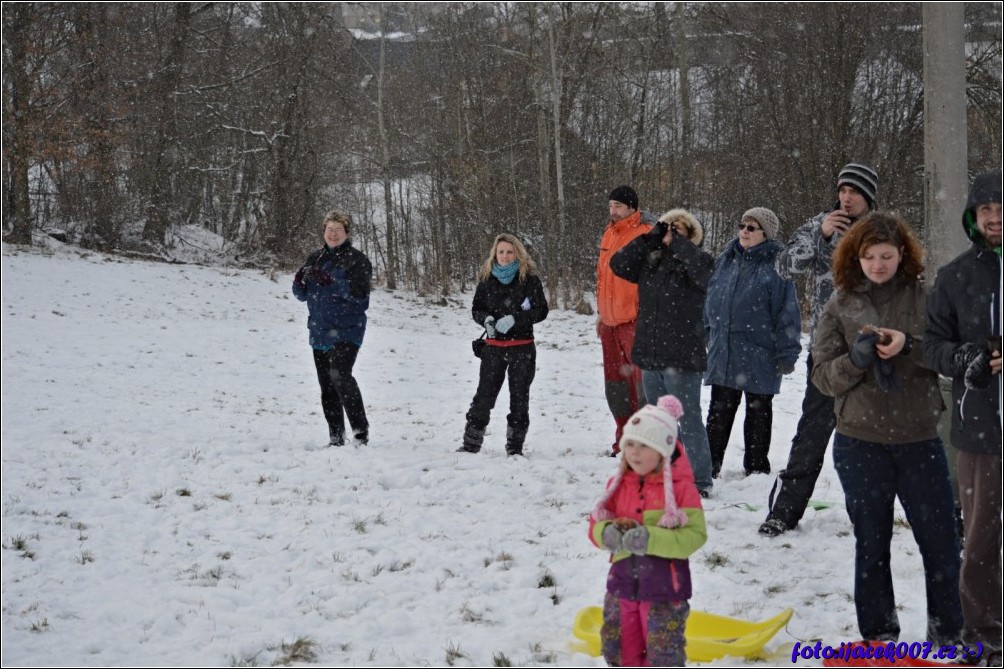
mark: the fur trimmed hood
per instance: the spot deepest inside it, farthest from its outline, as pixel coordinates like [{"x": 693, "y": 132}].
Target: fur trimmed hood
[{"x": 688, "y": 220}]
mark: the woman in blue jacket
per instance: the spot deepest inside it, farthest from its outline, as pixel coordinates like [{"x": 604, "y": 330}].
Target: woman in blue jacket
[
  {"x": 753, "y": 327},
  {"x": 335, "y": 284}
]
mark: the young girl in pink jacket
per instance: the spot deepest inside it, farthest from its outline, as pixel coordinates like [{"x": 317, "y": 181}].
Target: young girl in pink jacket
[{"x": 650, "y": 519}]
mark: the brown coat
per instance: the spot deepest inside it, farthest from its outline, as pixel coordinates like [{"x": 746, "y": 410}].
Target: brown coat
[{"x": 864, "y": 411}]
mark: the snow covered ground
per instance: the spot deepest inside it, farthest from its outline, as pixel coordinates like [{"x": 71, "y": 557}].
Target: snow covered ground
[{"x": 166, "y": 500}]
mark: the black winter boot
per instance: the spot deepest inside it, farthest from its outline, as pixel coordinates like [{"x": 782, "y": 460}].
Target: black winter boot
[
  {"x": 336, "y": 437},
  {"x": 514, "y": 441},
  {"x": 473, "y": 438}
]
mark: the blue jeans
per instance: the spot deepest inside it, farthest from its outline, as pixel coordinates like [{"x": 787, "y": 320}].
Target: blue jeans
[
  {"x": 873, "y": 476},
  {"x": 686, "y": 385}
]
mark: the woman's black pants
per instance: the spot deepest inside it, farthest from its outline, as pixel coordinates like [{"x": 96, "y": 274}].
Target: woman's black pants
[
  {"x": 339, "y": 390},
  {"x": 520, "y": 362},
  {"x": 756, "y": 428}
]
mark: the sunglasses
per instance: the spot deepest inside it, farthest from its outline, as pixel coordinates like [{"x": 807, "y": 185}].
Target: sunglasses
[{"x": 748, "y": 228}]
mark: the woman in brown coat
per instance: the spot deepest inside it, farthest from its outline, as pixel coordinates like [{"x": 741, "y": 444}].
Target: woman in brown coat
[{"x": 867, "y": 355}]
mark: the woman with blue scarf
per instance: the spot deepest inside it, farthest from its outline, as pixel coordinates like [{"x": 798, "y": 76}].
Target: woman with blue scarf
[{"x": 509, "y": 299}]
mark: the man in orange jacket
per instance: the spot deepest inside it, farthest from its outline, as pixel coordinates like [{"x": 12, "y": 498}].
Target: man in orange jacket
[{"x": 617, "y": 310}]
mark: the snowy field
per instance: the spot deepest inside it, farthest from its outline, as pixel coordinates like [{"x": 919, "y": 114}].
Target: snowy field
[{"x": 167, "y": 499}]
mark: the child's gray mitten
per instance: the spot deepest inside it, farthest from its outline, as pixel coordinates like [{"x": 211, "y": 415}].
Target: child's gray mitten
[
  {"x": 612, "y": 538},
  {"x": 636, "y": 540}
]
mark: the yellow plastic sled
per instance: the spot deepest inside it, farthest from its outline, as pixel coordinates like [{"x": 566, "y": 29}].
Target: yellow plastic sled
[{"x": 709, "y": 636}]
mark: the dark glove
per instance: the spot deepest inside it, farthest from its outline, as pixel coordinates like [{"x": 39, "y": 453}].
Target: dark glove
[
  {"x": 636, "y": 540},
  {"x": 978, "y": 372},
  {"x": 505, "y": 324},
  {"x": 784, "y": 367},
  {"x": 886, "y": 376},
  {"x": 863, "y": 352},
  {"x": 298, "y": 279},
  {"x": 322, "y": 278},
  {"x": 964, "y": 356},
  {"x": 654, "y": 236},
  {"x": 613, "y": 538}
]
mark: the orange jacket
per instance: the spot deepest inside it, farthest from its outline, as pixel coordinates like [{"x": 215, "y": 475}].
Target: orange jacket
[{"x": 617, "y": 299}]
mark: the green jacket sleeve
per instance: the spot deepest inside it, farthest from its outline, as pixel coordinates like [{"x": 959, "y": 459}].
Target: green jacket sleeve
[{"x": 678, "y": 542}]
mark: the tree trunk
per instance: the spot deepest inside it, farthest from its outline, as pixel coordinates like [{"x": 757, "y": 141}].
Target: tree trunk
[
  {"x": 159, "y": 204},
  {"x": 685, "y": 177},
  {"x": 553, "y": 245},
  {"x": 556, "y": 112},
  {"x": 16, "y": 31},
  {"x": 385, "y": 176}
]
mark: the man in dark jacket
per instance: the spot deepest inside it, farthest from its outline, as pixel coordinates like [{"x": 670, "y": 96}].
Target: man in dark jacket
[
  {"x": 810, "y": 250},
  {"x": 672, "y": 274},
  {"x": 963, "y": 341}
]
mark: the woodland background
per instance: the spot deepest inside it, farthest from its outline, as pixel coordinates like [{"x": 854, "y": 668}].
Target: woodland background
[{"x": 438, "y": 125}]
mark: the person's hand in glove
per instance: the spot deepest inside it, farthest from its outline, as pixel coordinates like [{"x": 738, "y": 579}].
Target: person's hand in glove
[
  {"x": 636, "y": 540},
  {"x": 490, "y": 327},
  {"x": 505, "y": 324},
  {"x": 784, "y": 367},
  {"x": 298, "y": 279},
  {"x": 613, "y": 538},
  {"x": 655, "y": 237},
  {"x": 322, "y": 278},
  {"x": 964, "y": 356},
  {"x": 977, "y": 376},
  {"x": 863, "y": 352}
]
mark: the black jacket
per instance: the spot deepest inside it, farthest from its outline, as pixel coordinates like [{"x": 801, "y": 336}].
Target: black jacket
[
  {"x": 965, "y": 306},
  {"x": 672, "y": 285},
  {"x": 524, "y": 300}
]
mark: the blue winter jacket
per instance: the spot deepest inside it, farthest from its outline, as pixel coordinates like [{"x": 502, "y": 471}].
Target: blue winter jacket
[
  {"x": 336, "y": 311},
  {"x": 751, "y": 319}
]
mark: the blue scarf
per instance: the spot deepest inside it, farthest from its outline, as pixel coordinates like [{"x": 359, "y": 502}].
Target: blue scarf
[{"x": 505, "y": 274}]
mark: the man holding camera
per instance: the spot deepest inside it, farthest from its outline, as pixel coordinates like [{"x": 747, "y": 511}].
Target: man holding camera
[
  {"x": 811, "y": 250},
  {"x": 963, "y": 341}
]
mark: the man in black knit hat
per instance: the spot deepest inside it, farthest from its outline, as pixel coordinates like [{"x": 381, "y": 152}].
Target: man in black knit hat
[
  {"x": 811, "y": 250},
  {"x": 617, "y": 310}
]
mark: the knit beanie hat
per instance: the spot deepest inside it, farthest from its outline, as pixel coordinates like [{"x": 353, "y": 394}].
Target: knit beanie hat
[
  {"x": 767, "y": 220},
  {"x": 625, "y": 195},
  {"x": 657, "y": 427},
  {"x": 695, "y": 232},
  {"x": 862, "y": 178}
]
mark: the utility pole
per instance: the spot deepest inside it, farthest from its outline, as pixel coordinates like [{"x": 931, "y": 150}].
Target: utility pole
[{"x": 945, "y": 153}]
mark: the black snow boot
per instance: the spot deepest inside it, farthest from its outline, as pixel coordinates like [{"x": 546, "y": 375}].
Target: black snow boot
[
  {"x": 473, "y": 438},
  {"x": 336, "y": 437},
  {"x": 514, "y": 441}
]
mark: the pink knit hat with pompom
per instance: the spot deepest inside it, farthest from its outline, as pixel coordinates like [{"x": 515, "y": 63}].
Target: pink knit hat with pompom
[{"x": 657, "y": 427}]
